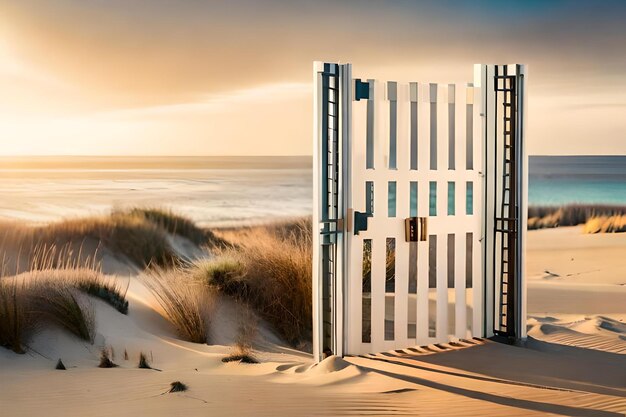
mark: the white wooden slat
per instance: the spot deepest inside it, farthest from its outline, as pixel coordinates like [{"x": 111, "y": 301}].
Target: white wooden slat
[
  {"x": 378, "y": 293},
  {"x": 442, "y": 127},
  {"x": 376, "y": 225},
  {"x": 382, "y": 128},
  {"x": 317, "y": 126},
  {"x": 355, "y": 294},
  {"x": 488, "y": 164},
  {"x": 442, "y": 288},
  {"x": 460, "y": 305},
  {"x": 423, "y": 128},
  {"x": 421, "y": 322},
  {"x": 402, "y": 212},
  {"x": 403, "y": 130},
  {"x": 442, "y": 209},
  {"x": 460, "y": 119},
  {"x": 452, "y": 142},
  {"x": 422, "y": 309},
  {"x": 478, "y": 293}
]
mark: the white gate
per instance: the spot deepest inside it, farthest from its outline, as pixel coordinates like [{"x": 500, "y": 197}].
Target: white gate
[{"x": 413, "y": 244}]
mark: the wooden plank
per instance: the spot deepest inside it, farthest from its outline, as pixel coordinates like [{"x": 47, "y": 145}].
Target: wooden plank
[{"x": 402, "y": 212}]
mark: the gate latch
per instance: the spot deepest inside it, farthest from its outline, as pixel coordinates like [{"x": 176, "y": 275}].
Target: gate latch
[
  {"x": 410, "y": 229},
  {"x": 415, "y": 229}
]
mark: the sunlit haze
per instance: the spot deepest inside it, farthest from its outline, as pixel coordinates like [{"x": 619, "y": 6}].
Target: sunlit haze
[{"x": 234, "y": 78}]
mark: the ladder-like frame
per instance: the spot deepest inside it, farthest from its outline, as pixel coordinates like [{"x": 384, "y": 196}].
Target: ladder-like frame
[
  {"x": 507, "y": 221},
  {"x": 505, "y": 200},
  {"x": 331, "y": 163}
]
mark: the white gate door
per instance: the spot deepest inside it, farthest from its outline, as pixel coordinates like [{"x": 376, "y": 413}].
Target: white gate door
[
  {"x": 405, "y": 231},
  {"x": 416, "y": 153}
]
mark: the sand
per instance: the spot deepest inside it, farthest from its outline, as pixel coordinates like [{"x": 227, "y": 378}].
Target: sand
[
  {"x": 577, "y": 288},
  {"x": 574, "y": 362}
]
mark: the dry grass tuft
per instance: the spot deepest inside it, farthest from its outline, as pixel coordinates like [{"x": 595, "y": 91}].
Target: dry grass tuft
[
  {"x": 540, "y": 217},
  {"x": 246, "y": 332},
  {"x": 129, "y": 234},
  {"x": 226, "y": 272},
  {"x": 241, "y": 357},
  {"x": 185, "y": 301},
  {"x": 606, "y": 224},
  {"x": 87, "y": 280},
  {"x": 105, "y": 359},
  {"x": 140, "y": 234},
  {"x": 177, "y": 224},
  {"x": 28, "y": 301},
  {"x": 63, "y": 306},
  {"x": 132, "y": 235},
  {"x": 177, "y": 386},
  {"x": 143, "y": 362},
  {"x": 269, "y": 268},
  {"x": 17, "y": 319}
]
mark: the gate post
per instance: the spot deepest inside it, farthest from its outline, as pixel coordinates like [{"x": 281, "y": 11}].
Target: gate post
[
  {"x": 505, "y": 167},
  {"x": 332, "y": 85}
]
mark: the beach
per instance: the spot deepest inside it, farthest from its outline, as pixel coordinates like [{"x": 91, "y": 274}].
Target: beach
[
  {"x": 571, "y": 364},
  {"x": 261, "y": 208}
]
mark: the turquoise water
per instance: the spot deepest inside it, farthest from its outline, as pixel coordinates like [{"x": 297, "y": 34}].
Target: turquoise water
[
  {"x": 558, "y": 180},
  {"x": 227, "y": 191}
]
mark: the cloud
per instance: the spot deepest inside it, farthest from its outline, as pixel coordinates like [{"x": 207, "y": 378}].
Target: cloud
[
  {"x": 222, "y": 77},
  {"x": 146, "y": 52}
]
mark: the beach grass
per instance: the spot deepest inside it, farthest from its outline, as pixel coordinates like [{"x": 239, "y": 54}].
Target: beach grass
[
  {"x": 17, "y": 320},
  {"x": 87, "y": 280},
  {"x": 26, "y": 304},
  {"x": 186, "y": 302},
  {"x": 247, "y": 325},
  {"x": 540, "y": 217},
  {"x": 177, "y": 386},
  {"x": 138, "y": 234},
  {"x": 606, "y": 224},
  {"x": 269, "y": 268},
  {"x": 32, "y": 299},
  {"x": 144, "y": 363},
  {"x": 176, "y": 224},
  {"x": 106, "y": 359},
  {"x": 62, "y": 305}
]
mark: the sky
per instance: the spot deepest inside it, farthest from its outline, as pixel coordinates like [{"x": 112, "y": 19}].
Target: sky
[{"x": 192, "y": 77}]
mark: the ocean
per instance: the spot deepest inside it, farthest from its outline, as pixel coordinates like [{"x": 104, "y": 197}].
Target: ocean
[
  {"x": 218, "y": 191},
  {"x": 559, "y": 180},
  {"x": 212, "y": 191}
]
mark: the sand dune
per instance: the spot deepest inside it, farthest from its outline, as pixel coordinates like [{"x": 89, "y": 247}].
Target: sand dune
[
  {"x": 573, "y": 363},
  {"x": 592, "y": 332},
  {"x": 577, "y": 289}
]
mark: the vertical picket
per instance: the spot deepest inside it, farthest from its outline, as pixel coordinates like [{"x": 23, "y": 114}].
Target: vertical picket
[{"x": 402, "y": 212}]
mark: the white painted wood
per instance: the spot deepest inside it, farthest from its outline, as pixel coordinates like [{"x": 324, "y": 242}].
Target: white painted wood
[
  {"x": 354, "y": 283},
  {"x": 345, "y": 201},
  {"x": 460, "y": 303},
  {"x": 523, "y": 106},
  {"x": 488, "y": 136},
  {"x": 402, "y": 212},
  {"x": 474, "y": 96},
  {"x": 451, "y": 304},
  {"x": 317, "y": 92}
]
